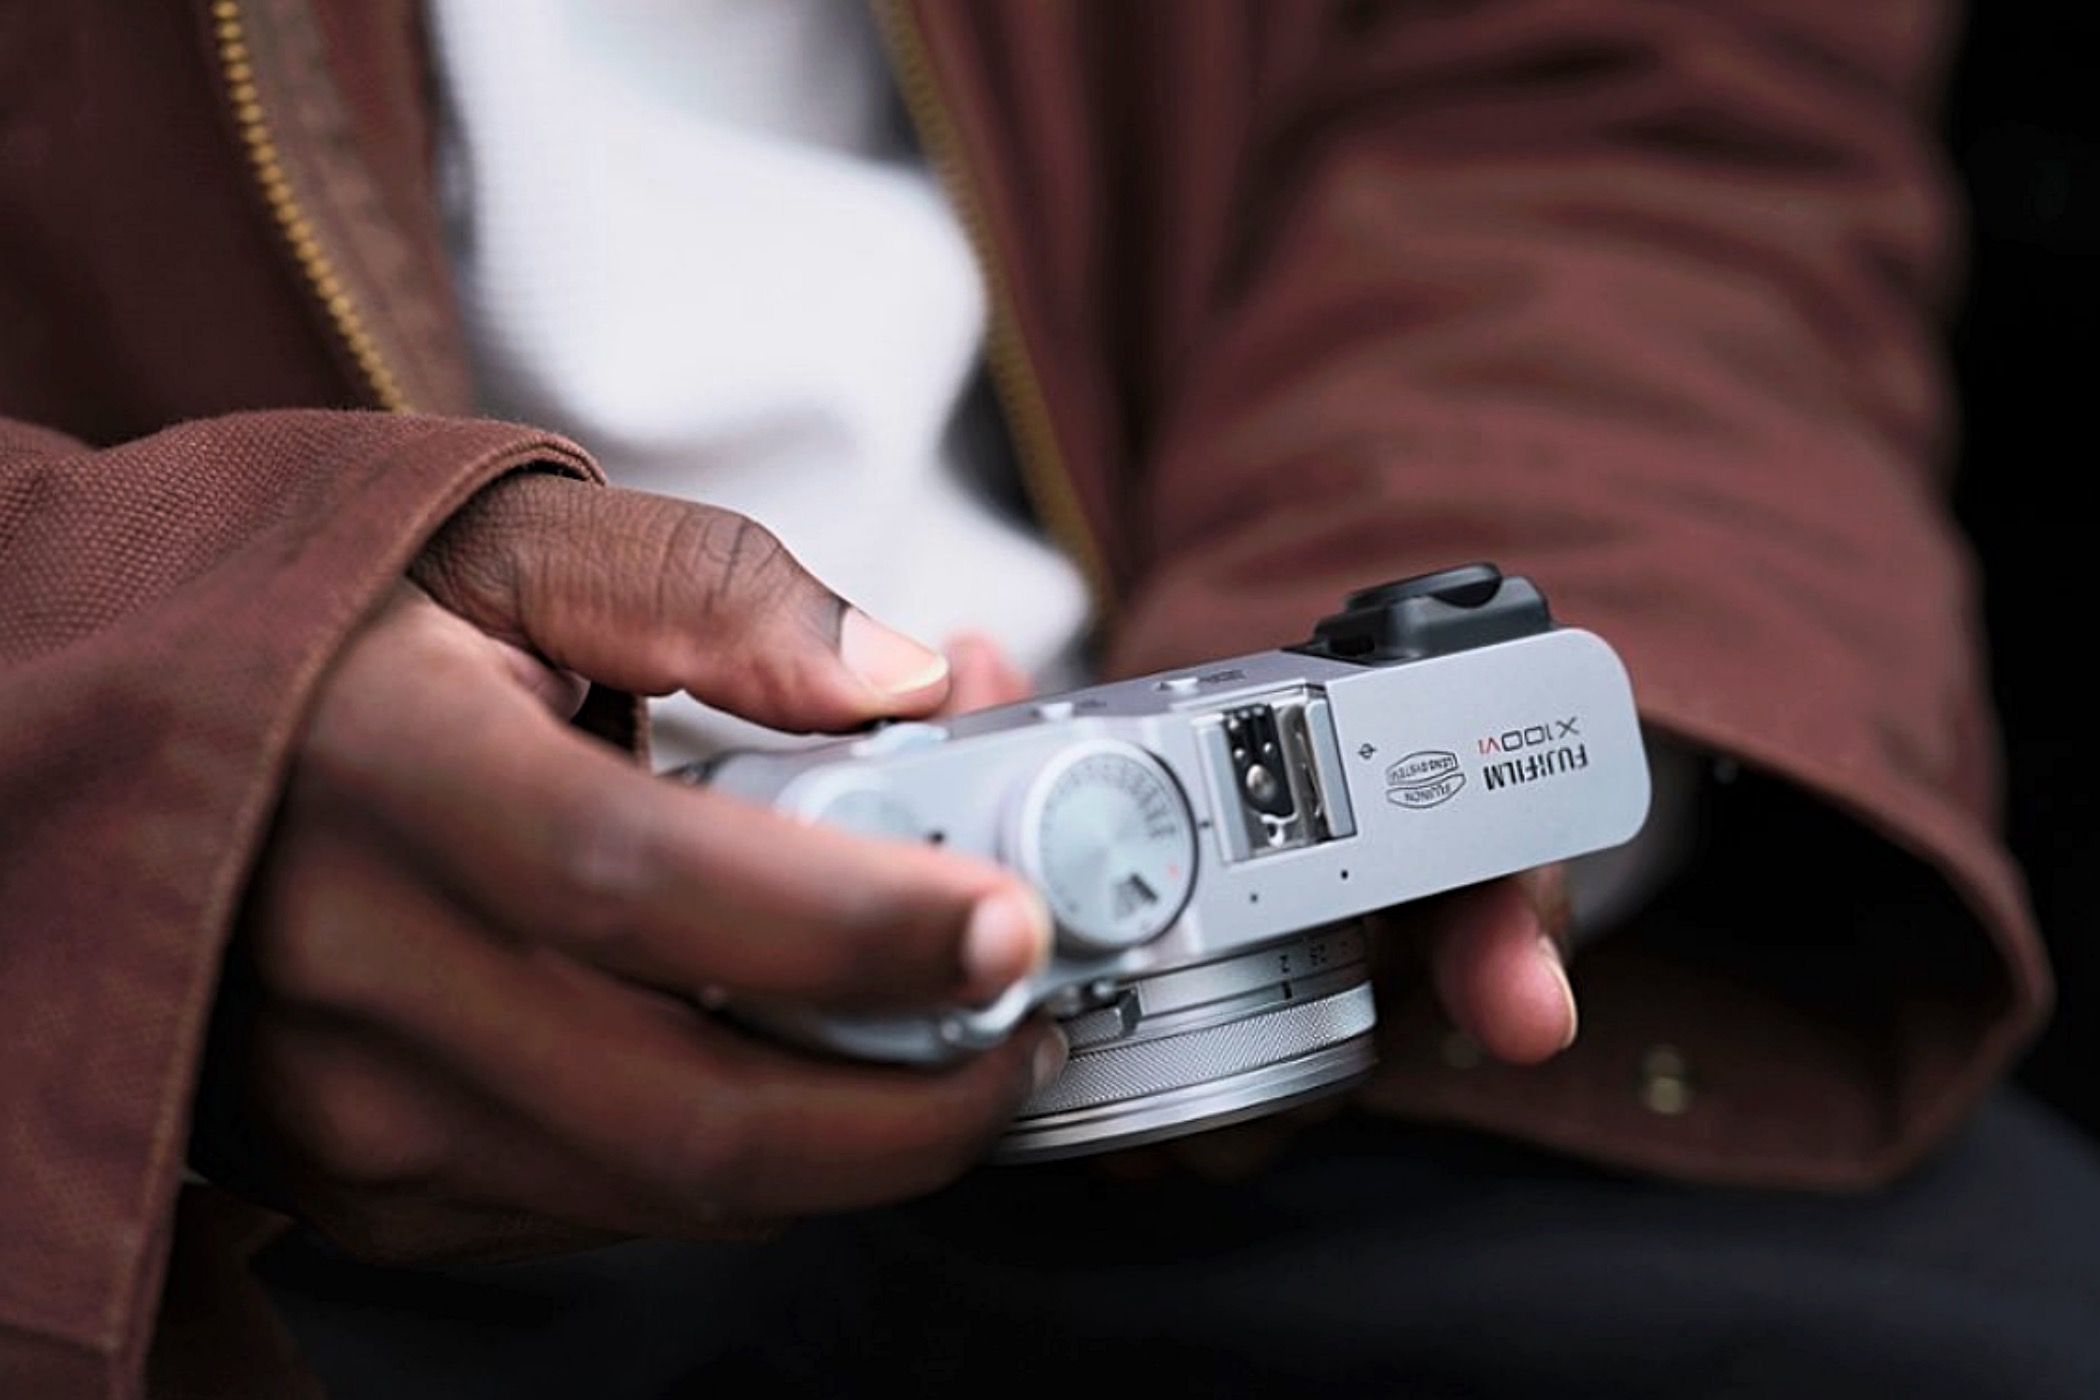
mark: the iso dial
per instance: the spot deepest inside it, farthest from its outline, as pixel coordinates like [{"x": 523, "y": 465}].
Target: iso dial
[{"x": 1106, "y": 834}]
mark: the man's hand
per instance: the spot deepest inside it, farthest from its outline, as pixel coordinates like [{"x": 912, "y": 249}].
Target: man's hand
[
  {"x": 1493, "y": 952},
  {"x": 479, "y": 939}
]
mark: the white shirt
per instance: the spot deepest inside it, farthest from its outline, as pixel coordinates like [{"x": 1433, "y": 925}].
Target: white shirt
[{"x": 693, "y": 235}]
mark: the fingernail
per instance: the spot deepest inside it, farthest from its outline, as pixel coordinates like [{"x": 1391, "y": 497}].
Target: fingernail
[
  {"x": 1007, "y": 938},
  {"x": 1049, "y": 1062},
  {"x": 887, "y": 660},
  {"x": 1549, "y": 953}
]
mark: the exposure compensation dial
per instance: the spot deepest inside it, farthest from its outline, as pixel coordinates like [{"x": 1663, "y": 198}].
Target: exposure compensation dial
[{"x": 1106, "y": 833}]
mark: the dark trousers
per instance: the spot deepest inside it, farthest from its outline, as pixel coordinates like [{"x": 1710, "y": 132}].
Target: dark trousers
[{"x": 1372, "y": 1259}]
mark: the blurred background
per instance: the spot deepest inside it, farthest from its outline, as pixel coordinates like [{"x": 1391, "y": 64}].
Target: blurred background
[{"x": 2024, "y": 128}]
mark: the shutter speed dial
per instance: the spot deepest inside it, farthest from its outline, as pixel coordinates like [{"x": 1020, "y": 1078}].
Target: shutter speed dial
[{"x": 1106, "y": 834}]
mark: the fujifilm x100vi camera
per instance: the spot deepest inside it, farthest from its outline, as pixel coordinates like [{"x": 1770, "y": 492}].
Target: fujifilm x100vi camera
[{"x": 1205, "y": 839}]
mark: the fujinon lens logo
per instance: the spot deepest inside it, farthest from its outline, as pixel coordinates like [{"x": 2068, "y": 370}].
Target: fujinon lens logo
[{"x": 1425, "y": 778}]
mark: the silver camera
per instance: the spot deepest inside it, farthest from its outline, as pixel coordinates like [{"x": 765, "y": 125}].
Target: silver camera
[{"x": 1206, "y": 838}]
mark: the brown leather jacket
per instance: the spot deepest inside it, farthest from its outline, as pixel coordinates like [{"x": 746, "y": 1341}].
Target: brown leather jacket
[{"x": 1289, "y": 297}]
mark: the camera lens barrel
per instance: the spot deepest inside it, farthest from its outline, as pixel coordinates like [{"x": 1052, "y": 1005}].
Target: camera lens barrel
[{"x": 1199, "y": 1047}]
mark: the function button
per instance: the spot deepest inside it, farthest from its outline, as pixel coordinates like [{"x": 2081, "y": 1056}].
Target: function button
[
  {"x": 897, "y": 737},
  {"x": 871, "y": 811}
]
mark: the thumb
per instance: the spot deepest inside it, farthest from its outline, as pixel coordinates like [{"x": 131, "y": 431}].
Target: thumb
[{"x": 653, "y": 594}]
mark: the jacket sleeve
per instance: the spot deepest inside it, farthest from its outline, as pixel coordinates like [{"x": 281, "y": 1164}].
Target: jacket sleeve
[
  {"x": 167, "y": 608},
  {"x": 1640, "y": 300}
]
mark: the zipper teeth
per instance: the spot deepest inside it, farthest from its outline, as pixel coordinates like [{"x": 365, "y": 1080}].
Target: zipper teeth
[
  {"x": 1013, "y": 374},
  {"x": 291, "y": 218}
]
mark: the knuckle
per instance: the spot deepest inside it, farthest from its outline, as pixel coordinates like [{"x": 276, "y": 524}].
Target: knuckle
[
  {"x": 731, "y": 602},
  {"x": 715, "y": 574},
  {"x": 314, "y": 959},
  {"x": 750, "y": 557},
  {"x": 359, "y": 1134},
  {"x": 608, "y": 864},
  {"x": 726, "y": 561},
  {"x": 741, "y": 580}
]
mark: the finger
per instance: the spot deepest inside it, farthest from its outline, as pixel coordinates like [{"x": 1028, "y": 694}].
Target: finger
[
  {"x": 562, "y": 842},
  {"x": 399, "y": 1229},
  {"x": 381, "y": 1145},
  {"x": 1546, "y": 886},
  {"x": 395, "y": 1162},
  {"x": 981, "y": 675},
  {"x": 822, "y": 1124},
  {"x": 561, "y": 692},
  {"x": 654, "y": 594},
  {"x": 342, "y": 1112},
  {"x": 1499, "y": 973},
  {"x": 654, "y": 1118}
]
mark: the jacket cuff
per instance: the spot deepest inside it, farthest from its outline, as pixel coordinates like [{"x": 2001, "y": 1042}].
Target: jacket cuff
[
  {"x": 174, "y": 605},
  {"x": 1845, "y": 967}
]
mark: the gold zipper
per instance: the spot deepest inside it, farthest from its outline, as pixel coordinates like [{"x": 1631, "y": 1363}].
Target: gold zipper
[
  {"x": 291, "y": 218},
  {"x": 1013, "y": 374},
  {"x": 1014, "y": 379}
]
